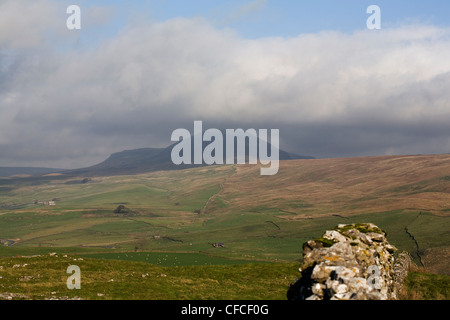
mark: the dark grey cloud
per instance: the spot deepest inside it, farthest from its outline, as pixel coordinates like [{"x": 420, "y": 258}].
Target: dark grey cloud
[{"x": 331, "y": 94}]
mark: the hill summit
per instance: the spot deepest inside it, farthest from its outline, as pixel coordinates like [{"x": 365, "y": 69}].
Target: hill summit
[{"x": 147, "y": 160}]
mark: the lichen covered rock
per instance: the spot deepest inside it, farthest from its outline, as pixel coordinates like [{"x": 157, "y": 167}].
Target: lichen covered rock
[{"x": 353, "y": 261}]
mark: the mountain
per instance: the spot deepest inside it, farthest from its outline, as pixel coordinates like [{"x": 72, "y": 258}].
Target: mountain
[
  {"x": 15, "y": 171},
  {"x": 127, "y": 162},
  {"x": 148, "y": 160}
]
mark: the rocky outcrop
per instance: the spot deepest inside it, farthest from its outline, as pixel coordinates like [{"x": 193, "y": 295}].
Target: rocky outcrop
[{"x": 353, "y": 261}]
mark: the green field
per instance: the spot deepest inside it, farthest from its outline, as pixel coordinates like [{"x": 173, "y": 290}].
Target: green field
[
  {"x": 167, "y": 259},
  {"x": 246, "y": 236},
  {"x": 45, "y": 277}
]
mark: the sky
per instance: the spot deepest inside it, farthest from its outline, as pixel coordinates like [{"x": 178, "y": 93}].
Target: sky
[{"x": 138, "y": 70}]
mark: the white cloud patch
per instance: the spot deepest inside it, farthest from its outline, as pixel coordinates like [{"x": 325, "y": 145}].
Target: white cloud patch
[
  {"x": 329, "y": 93},
  {"x": 24, "y": 24}
]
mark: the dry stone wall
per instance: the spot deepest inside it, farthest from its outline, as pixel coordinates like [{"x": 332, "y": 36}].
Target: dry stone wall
[{"x": 353, "y": 261}]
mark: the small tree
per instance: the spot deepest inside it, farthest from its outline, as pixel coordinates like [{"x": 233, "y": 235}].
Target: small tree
[{"x": 121, "y": 209}]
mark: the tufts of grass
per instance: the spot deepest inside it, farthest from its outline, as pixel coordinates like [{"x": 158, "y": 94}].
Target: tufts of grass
[{"x": 426, "y": 286}]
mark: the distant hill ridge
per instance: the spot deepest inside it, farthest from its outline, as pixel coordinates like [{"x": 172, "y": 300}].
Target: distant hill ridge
[
  {"x": 125, "y": 162},
  {"x": 15, "y": 171},
  {"x": 147, "y": 160}
]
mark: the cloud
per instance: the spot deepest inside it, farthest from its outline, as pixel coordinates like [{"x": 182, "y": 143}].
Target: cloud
[
  {"x": 329, "y": 93},
  {"x": 24, "y": 25}
]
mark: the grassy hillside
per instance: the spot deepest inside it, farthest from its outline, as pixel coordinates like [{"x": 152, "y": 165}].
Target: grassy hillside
[
  {"x": 45, "y": 277},
  {"x": 426, "y": 286},
  {"x": 256, "y": 218}
]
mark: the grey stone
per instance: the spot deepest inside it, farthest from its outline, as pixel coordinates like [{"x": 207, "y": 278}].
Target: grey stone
[{"x": 357, "y": 265}]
